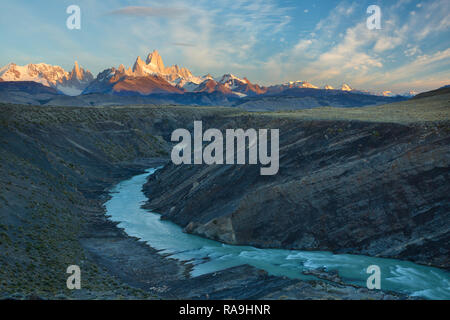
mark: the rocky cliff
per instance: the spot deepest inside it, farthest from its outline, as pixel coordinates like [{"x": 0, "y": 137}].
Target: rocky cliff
[
  {"x": 56, "y": 166},
  {"x": 372, "y": 187}
]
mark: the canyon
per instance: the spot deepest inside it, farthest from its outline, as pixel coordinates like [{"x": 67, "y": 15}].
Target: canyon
[{"x": 371, "y": 181}]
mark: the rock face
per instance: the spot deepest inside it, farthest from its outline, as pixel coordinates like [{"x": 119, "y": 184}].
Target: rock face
[
  {"x": 380, "y": 189},
  {"x": 56, "y": 77}
]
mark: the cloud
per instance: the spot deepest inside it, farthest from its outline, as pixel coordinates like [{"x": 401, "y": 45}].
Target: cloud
[
  {"x": 149, "y": 11},
  {"x": 425, "y": 71},
  {"x": 412, "y": 51},
  {"x": 431, "y": 19},
  {"x": 182, "y": 44},
  {"x": 303, "y": 44},
  {"x": 392, "y": 57},
  {"x": 387, "y": 43}
]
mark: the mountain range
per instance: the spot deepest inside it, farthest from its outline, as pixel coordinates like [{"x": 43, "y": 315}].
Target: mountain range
[
  {"x": 69, "y": 83},
  {"x": 150, "y": 81}
]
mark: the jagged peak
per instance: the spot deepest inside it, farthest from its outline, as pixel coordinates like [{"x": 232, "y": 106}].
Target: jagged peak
[
  {"x": 139, "y": 60},
  {"x": 155, "y": 59},
  {"x": 229, "y": 77},
  {"x": 76, "y": 71},
  {"x": 346, "y": 87},
  {"x": 138, "y": 65}
]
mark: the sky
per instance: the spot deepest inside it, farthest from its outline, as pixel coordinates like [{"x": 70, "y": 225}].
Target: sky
[{"x": 267, "y": 41}]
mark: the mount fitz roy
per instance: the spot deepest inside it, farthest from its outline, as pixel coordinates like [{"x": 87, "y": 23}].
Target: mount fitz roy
[
  {"x": 145, "y": 77},
  {"x": 152, "y": 76}
]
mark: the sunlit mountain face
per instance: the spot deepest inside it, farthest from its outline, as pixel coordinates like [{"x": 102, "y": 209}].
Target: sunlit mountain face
[
  {"x": 150, "y": 81},
  {"x": 151, "y": 77}
]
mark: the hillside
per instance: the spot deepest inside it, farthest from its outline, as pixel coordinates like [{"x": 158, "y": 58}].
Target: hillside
[
  {"x": 306, "y": 98},
  {"x": 441, "y": 91}
]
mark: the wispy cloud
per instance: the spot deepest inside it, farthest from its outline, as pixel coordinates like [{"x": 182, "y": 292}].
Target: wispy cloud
[
  {"x": 183, "y": 44},
  {"x": 338, "y": 52},
  {"x": 136, "y": 11}
]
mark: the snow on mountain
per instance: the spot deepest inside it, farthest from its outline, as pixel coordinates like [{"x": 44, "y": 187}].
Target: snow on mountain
[
  {"x": 240, "y": 86},
  {"x": 210, "y": 86},
  {"x": 42, "y": 73},
  {"x": 291, "y": 85},
  {"x": 127, "y": 81},
  {"x": 189, "y": 86},
  {"x": 56, "y": 77},
  {"x": 154, "y": 65},
  {"x": 230, "y": 81},
  {"x": 409, "y": 94},
  {"x": 151, "y": 76},
  {"x": 301, "y": 84},
  {"x": 346, "y": 87},
  {"x": 103, "y": 82},
  {"x": 76, "y": 81}
]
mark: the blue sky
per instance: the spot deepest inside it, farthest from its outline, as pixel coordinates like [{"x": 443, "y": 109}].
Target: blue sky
[{"x": 323, "y": 42}]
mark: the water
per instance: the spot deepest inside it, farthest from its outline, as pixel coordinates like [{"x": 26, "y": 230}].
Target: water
[{"x": 209, "y": 256}]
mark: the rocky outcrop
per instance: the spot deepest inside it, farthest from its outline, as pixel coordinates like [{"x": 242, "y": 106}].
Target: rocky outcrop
[
  {"x": 56, "y": 167},
  {"x": 380, "y": 189}
]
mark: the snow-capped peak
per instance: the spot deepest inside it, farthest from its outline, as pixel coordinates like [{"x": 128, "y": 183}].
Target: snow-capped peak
[
  {"x": 43, "y": 73},
  {"x": 226, "y": 78},
  {"x": 300, "y": 84},
  {"x": 208, "y": 76},
  {"x": 51, "y": 76},
  {"x": 346, "y": 87}
]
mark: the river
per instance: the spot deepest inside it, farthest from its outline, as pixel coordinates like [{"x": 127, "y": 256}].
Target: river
[{"x": 209, "y": 256}]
